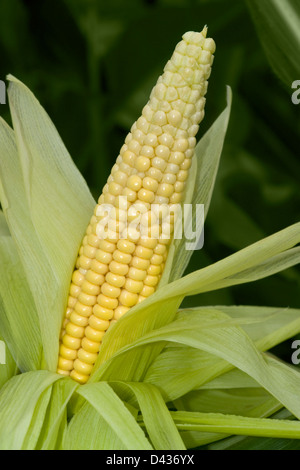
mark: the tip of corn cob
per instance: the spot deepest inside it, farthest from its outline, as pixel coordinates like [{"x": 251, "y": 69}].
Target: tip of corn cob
[{"x": 115, "y": 270}]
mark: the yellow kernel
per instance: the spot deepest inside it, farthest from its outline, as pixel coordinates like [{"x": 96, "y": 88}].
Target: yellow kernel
[
  {"x": 65, "y": 364},
  {"x": 182, "y": 175},
  {"x": 159, "y": 118},
  {"x": 177, "y": 158},
  {"x": 120, "y": 177},
  {"x": 175, "y": 198},
  {"x": 147, "y": 150},
  {"x": 160, "y": 249},
  {"x": 134, "y": 146},
  {"x": 93, "y": 334},
  {"x": 107, "y": 246},
  {"x": 67, "y": 353},
  {"x": 71, "y": 342},
  {"x": 154, "y": 270},
  {"x": 98, "y": 323},
  {"x": 129, "y": 158},
  {"x": 142, "y": 252},
  {"x": 74, "y": 330},
  {"x": 126, "y": 246},
  {"x": 115, "y": 279},
  {"x": 110, "y": 291},
  {"x": 79, "y": 320},
  {"x": 109, "y": 198},
  {"x": 89, "y": 345},
  {"x": 169, "y": 178},
  {"x": 71, "y": 301},
  {"x": 166, "y": 139},
  {"x": 103, "y": 257},
  {"x": 147, "y": 291},
  {"x": 159, "y": 163},
  {"x": 102, "y": 312},
  {"x": 142, "y": 164},
  {"x": 151, "y": 281},
  {"x": 142, "y": 124},
  {"x": 134, "y": 286},
  {"x": 75, "y": 290},
  {"x": 66, "y": 373},
  {"x": 140, "y": 299},
  {"x": 179, "y": 186},
  {"x": 146, "y": 196},
  {"x": 162, "y": 151},
  {"x": 83, "y": 310},
  {"x": 155, "y": 173},
  {"x": 87, "y": 299},
  {"x": 174, "y": 118},
  {"x": 140, "y": 263},
  {"x": 82, "y": 367},
  {"x": 134, "y": 182},
  {"x": 94, "y": 278},
  {"x": 87, "y": 357},
  {"x": 149, "y": 243},
  {"x": 136, "y": 274},
  {"x": 107, "y": 302},
  {"x": 120, "y": 311},
  {"x": 129, "y": 299},
  {"x": 150, "y": 140},
  {"x": 89, "y": 251},
  {"x": 89, "y": 288},
  {"x": 80, "y": 378},
  {"x": 77, "y": 278},
  {"x": 165, "y": 190},
  {"x": 150, "y": 183},
  {"x": 129, "y": 194},
  {"x": 118, "y": 268},
  {"x": 121, "y": 257},
  {"x": 156, "y": 259}
]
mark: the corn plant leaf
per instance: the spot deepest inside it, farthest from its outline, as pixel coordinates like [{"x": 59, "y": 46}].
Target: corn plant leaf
[
  {"x": 156, "y": 416},
  {"x": 88, "y": 430},
  {"x": 104, "y": 402},
  {"x": 23, "y": 403},
  {"x": 278, "y": 27},
  {"x": 41, "y": 182},
  {"x": 233, "y": 345},
  {"x": 56, "y": 415},
  {"x": 19, "y": 323},
  {"x": 231, "y": 424},
  {"x": 178, "y": 369}
]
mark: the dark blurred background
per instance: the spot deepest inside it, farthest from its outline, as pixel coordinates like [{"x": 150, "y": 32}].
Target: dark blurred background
[{"x": 92, "y": 65}]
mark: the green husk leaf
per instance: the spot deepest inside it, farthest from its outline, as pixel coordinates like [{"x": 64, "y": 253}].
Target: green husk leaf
[
  {"x": 105, "y": 401},
  {"x": 44, "y": 197},
  {"x": 156, "y": 416},
  {"x": 240, "y": 425},
  {"x": 19, "y": 324},
  {"x": 23, "y": 402},
  {"x": 278, "y": 27}
]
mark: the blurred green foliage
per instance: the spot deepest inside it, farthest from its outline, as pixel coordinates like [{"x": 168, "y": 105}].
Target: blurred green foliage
[{"x": 92, "y": 65}]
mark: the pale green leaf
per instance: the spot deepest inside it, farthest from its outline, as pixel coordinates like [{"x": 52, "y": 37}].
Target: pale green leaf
[
  {"x": 105, "y": 401},
  {"x": 19, "y": 323},
  {"x": 23, "y": 406},
  {"x": 278, "y": 26},
  {"x": 156, "y": 416},
  {"x": 47, "y": 205}
]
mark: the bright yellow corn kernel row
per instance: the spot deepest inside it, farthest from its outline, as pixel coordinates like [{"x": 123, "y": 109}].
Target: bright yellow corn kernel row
[{"x": 117, "y": 267}]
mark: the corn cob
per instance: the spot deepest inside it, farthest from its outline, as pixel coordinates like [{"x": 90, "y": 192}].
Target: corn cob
[{"x": 115, "y": 272}]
